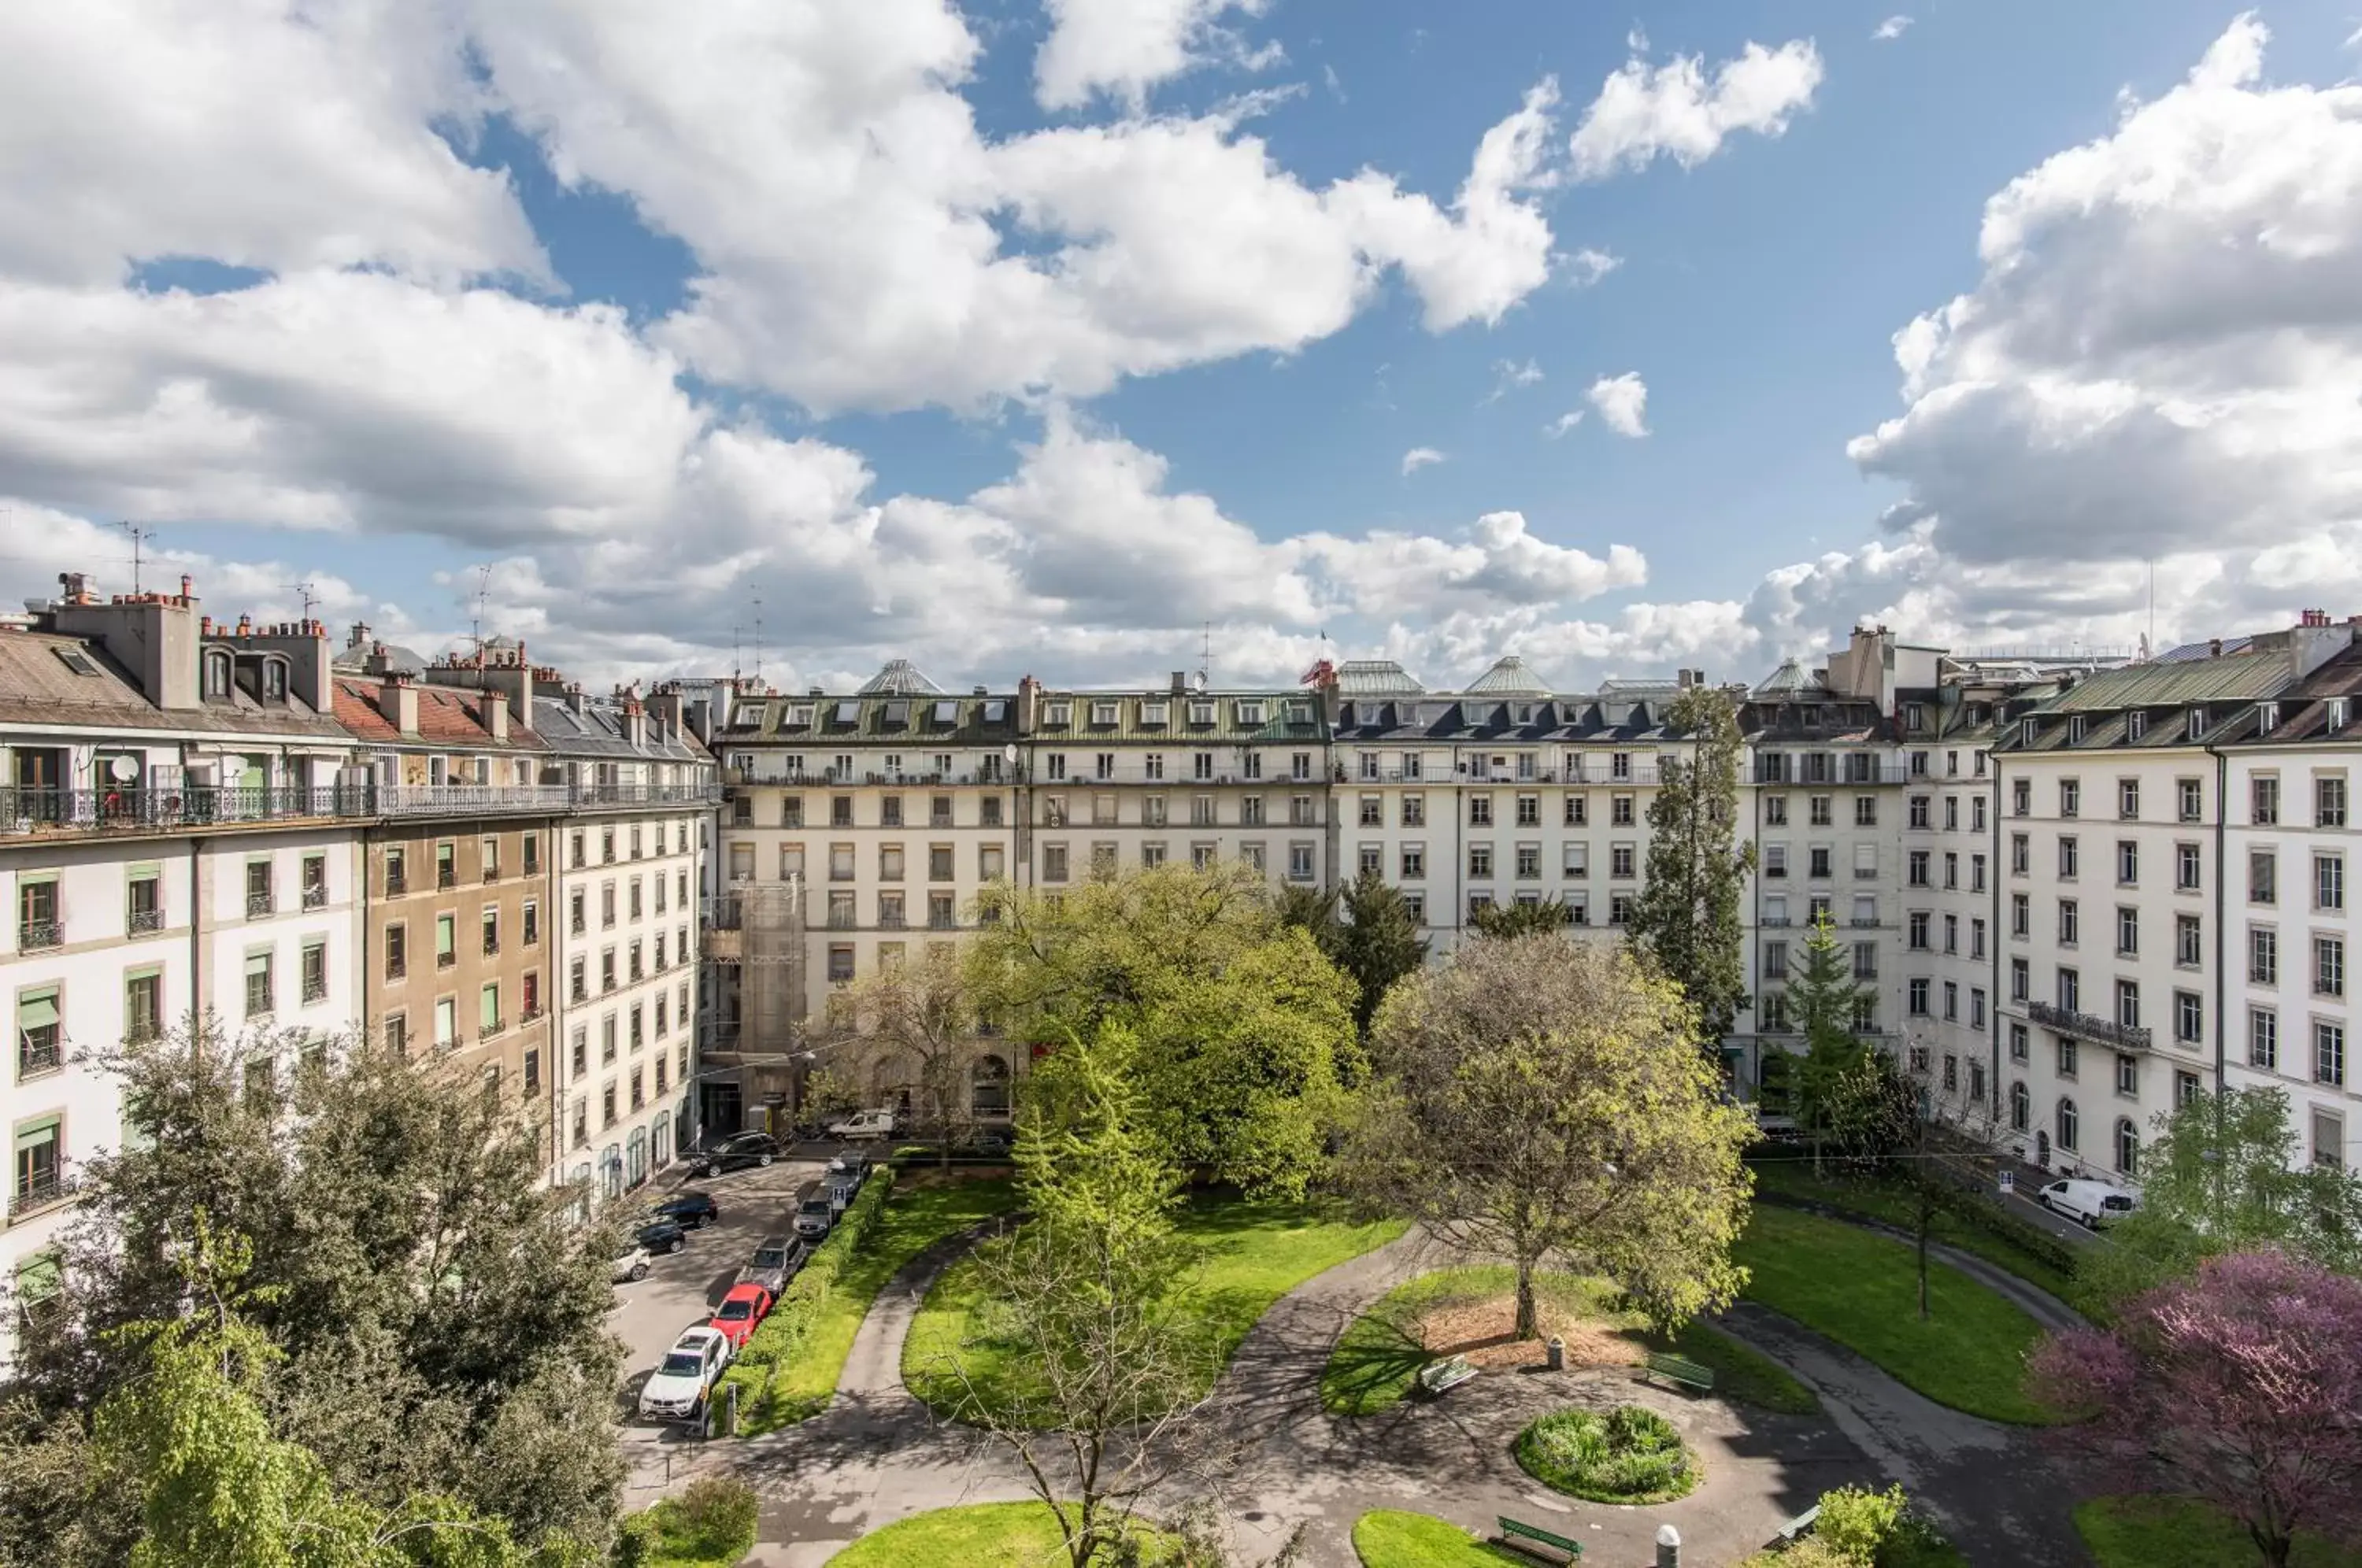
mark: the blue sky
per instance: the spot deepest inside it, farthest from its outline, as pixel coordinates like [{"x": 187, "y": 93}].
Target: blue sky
[{"x": 267, "y": 360}]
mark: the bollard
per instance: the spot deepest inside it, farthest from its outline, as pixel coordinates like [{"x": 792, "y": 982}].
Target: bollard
[
  {"x": 1557, "y": 1354},
  {"x": 730, "y": 1410},
  {"x": 1669, "y": 1547}
]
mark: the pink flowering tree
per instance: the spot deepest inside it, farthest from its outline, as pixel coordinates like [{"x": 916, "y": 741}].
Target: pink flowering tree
[{"x": 2241, "y": 1385}]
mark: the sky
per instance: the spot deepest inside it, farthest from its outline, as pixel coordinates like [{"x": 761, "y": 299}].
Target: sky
[{"x": 1099, "y": 338}]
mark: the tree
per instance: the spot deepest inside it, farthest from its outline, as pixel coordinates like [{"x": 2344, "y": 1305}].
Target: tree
[
  {"x": 1376, "y": 943},
  {"x": 2241, "y": 1385},
  {"x": 1244, "y": 1030},
  {"x": 1876, "y": 1120},
  {"x": 1544, "y": 1098},
  {"x": 2223, "y": 1174},
  {"x": 1686, "y": 918},
  {"x": 1509, "y": 922},
  {"x": 1821, "y": 1000},
  {"x": 438, "y": 1318},
  {"x": 1082, "y": 1298},
  {"x": 920, "y": 1012}
]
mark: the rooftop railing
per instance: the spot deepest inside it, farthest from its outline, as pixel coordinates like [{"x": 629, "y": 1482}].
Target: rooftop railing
[{"x": 38, "y": 812}]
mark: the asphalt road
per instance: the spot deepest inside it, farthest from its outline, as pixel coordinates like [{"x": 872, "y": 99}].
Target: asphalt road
[{"x": 683, "y": 1288}]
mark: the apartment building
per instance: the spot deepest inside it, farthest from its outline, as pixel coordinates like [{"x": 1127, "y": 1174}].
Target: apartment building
[{"x": 176, "y": 839}]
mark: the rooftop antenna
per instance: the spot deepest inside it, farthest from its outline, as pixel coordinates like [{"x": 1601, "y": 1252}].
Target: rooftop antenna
[
  {"x": 303, "y": 592},
  {"x": 758, "y": 636},
  {"x": 138, "y": 536},
  {"x": 483, "y": 592},
  {"x": 1206, "y": 654}
]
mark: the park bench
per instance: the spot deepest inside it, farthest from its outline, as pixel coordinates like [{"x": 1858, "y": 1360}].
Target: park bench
[
  {"x": 1800, "y": 1526},
  {"x": 1525, "y": 1538},
  {"x": 1438, "y": 1376},
  {"x": 1688, "y": 1374}
]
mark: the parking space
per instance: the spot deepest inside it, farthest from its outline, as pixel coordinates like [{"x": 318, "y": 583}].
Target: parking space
[{"x": 683, "y": 1288}]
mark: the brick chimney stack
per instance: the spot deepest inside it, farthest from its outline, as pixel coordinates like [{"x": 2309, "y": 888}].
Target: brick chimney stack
[{"x": 398, "y": 698}]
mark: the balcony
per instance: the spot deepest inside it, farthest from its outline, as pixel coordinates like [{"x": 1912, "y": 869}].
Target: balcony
[
  {"x": 396, "y": 884},
  {"x": 534, "y": 1013},
  {"x": 43, "y": 1189},
  {"x": 33, "y": 935},
  {"x": 37, "y": 1056},
  {"x": 144, "y": 922},
  {"x": 445, "y": 960},
  {"x": 445, "y": 878},
  {"x": 315, "y": 898},
  {"x": 315, "y": 991},
  {"x": 1865, "y": 873},
  {"x": 2087, "y": 1026},
  {"x": 61, "y": 812},
  {"x": 491, "y": 1030},
  {"x": 260, "y": 905}
]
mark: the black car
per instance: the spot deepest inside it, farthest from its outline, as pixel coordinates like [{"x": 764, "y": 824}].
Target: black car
[
  {"x": 854, "y": 1163},
  {"x": 661, "y": 1236},
  {"x": 737, "y": 1153},
  {"x": 689, "y": 1210}
]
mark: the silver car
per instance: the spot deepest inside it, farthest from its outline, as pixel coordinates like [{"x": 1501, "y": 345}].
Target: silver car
[{"x": 630, "y": 1263}]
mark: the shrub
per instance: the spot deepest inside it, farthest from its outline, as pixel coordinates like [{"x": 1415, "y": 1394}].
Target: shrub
[
  {"x": 1627, "y": 1454},
  {"x": 1856, "y": 1521},
  {"x": 780, "y": 1337},
  {"x": 713, "y": 1522}
]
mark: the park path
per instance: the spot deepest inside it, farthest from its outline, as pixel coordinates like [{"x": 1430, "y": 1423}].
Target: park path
[{"x": 878, "y": 1454}]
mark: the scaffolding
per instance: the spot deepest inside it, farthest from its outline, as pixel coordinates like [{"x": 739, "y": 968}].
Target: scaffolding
[{"x": 755, "y": 939}]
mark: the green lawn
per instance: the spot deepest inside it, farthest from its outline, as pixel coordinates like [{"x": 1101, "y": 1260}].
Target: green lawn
[
  {"x": 1252, "y": 1254},
  {"x": 1378, "y": 1355},
  {"x": 676, "y": 1532},
  {"x": 1388, "y": 1538},
  {"x": 982, "y": 1535},
  {"x": 1862, "y": 1290},
  {"x": 1794, "y": 1178},
  {"x": 921, "y": 1212},
  {"x": 2142, "y": 1532}
]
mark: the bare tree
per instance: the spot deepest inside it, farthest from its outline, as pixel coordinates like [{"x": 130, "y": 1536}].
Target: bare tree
[{"x": 922, "y": 1010}]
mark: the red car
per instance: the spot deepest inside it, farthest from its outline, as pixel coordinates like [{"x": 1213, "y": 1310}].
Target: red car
[{"x": 745, "y": 1306}]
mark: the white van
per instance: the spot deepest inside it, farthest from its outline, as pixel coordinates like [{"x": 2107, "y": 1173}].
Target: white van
[
  {"x": 2091, "y": 1204},
  {"x": 876, "y": 1123}
]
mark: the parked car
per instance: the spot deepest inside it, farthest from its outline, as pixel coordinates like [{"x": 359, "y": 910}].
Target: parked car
[
  {"x": 877, "y": 1124},
  {"x": 814, "y": 1216},
  {"x": 686, "y": 1376},
  {"x": 661, "y": 1236},
  {"x": 987, "y": 1143},
  {"x": 630, "y": 1264},
  {"x": 736, "y": 1152},
  {"x": 747, "y": 1305},
  {"x": 774, "y": 1263},
  {"x": 2091, "y": 1204},
  {"x": 689, "y": 1210},
  {"x": 855, "y": 1163},
  {"x": 839, "y": 1195}
]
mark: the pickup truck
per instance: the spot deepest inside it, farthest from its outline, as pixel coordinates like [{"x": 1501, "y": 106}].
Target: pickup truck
[{"x": 879, "y": 1124}]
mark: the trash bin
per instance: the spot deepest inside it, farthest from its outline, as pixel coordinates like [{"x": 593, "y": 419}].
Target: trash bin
[
  {"x": 1669, "y": 1547},
  {"x": 1557, "y": 1354}
]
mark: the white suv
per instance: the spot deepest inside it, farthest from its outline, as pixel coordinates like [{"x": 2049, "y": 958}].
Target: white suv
[{"x": 679, "y": 1385}]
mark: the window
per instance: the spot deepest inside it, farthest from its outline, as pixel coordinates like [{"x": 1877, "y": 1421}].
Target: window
[
  {"x": 1918, "y": 811},
  {"x": 532, "y": 932},
  {"x": 316, "y": 971},
  {"x": 2189, "y": 941},
  {"x": 1918, "y": 997},
  {"x": 1951, "y": 933},
  {"x": 1530, "y": 810},
  {"x": 2068, "y": 859},
  {"x": 1530, "y": 861},
  {"x": 1916, "y": 872},
  {"x": 1916, "y": 924},
  {"x": 2190, "y": 798},
  {"x": 2263, "y": 955},
  {"x": 491, "y": 928},
  {"x": 2020, "y": 854},
  {"x": 1865, "y": 960},
  {"x": 2070, "y": 796},
  {"x": 2262, "y": 1039},
  {"x": 1977, "y": 1015},
  {"x": 1865, "y": 811},
  {"x": 1577, "y": 812},
  {"x": 2328, "y": 1052},
  {"x": 2128, "y": 1004},
  {"x": 1480, "y": 862},
  {"x": 2263, "y": 876},
  {"x": 2329, "y": 799},
  {"x": 2070, "y": 990},
  {"x": 1619, "y": 811},
  {"x": 840, "y": 964},
  {"x": 2128, "y": 1146},
  {"x": 2021, "y": 914},
  {"x": 2328, "y": 966},
  {"x": 1480, "y": 811},
  {"x": 2128, "y": 799},
  {"x": 2070, "y": 1125},
  {"x": 1951, "y": 1000},
  {"x": 2068, "y": 1054},
  {"x": 2127, "y": 863},
  {"x": 2021, "y": 980},
  {"x": 2021, "y": 1107},
  {"x": 2328, "y": 1139},
  {"x": 1619, "y": 860},
  {"x": 1372, "y": 811},
  {"x": 2189, "y": 1018},
  {"x": 2071, "y": 923},
  {"x": 2021, "y": 794},
  {"x": 1054, "y": 863},
  {"x": 1775, "y": 811},
  {"x": 1414, "y": 862},
  {"x": 1820, "y": 811},
  {"x": 2127, "y": 930},
  {"x": 2186, "y": 868},
  {"x": 2329, "y": 881}
]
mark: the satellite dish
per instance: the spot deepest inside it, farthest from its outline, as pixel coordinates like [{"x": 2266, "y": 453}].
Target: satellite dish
[
  {"x": 1008, "y": 753},
  {"x": 122, "y": 769}
]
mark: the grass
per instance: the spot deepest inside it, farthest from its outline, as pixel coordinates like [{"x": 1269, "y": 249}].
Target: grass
[
  {"x": 711, "y": 1526},
  {"x": 2139, "y": 1533},
  {"x": 982, "y": 1535},
  {"x": 1862, "y": 1290},
  {"x": 921, "y": 1212},
  {"x": 1794, "y": 1178},
  {"x": 1389, "y": 1538},
  {"x": 1628, "y": 1454},
  {"x": 1378, "y": 1356},
  {"x": 1252, "y": 1254}
]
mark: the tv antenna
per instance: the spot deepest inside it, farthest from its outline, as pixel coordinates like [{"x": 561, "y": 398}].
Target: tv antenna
[
  {"x": 1206, "y": 654},
  {"x": 758, "y": 636},
  {"x": 483, "y": 592},
  {"x": 138, "y": 536},
  {"x": 303, "y": 592}
]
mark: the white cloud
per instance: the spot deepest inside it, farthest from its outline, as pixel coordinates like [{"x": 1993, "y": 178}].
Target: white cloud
[
  {"x": 253, "y": 132},
  {"x": 1623, "y": 403},
  {"x": 2162, "y": 354},
  {"x": 866, "y": 245},
  {"x": 1562, "y": 423},
  {"x": 1419, "y": 458},
  {"x": 1586, "y": 267},
  {"x": 1123, "y": 48},
  {"x": 1674, "y": 110},
  {"x": 1509, "y": 375},
  {"x": 1891, "y": 28}
]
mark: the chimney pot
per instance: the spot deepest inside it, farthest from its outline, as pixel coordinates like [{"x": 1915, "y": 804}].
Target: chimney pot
[
  {"x": 185, "y": 585},
  {"x": 1180, "y": 681},
  {"x": 2214, "y": 647}
]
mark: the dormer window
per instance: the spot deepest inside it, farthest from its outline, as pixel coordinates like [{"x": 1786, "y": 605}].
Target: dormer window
[
  {"x": 996, "y": 711},
  {"x": 1915, "y": 716},
  {"x": 1522, "y": 712},
  {"x": 946, "y": 714},
  {"x": 2135, "y": 724},
  {"x": 2337, "y": 713},
  {"x": 1299, "y": 712},
  {"x": 2267, "y": 716},
  {"x": 274, "y": 680},
  {"x": 799, "y": 716},
  {"x": 897, "y": 714},
  {"x": 1059, "y": 713},
  {"x": 1201, "y": 713},
  {"x": 1251, "y": 714},
  {"x": 1155, "y": 715},
  {"x": 2029, "y": 732},
  {"x": 2197, "y": 722},
  {"x": 848, "y": 713},
  {"x": 217, "y": 677},
  {"x": 1103, "y": 712},
  {"x": 2075, "y": 730},
  {"x": 77, "y": 661}
]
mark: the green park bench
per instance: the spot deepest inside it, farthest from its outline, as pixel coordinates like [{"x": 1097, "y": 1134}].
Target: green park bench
[
  {"x": 1438, "y": 1376},
  {"x": 1525, "y": 1538},
  {"x": 1688, "y": 1374},
  {"x": 1800, "y": 1526}
]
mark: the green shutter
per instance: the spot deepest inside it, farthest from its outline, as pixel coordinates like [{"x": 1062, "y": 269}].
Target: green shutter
[
  {"x": 38, "y": 1010},
  {"x": 258, "y": 963},
  {"x": 39, "y": 1278},
  {"x": 490, "y": 1002}
]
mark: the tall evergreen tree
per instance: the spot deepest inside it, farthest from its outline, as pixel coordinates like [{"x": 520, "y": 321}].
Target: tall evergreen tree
[
  {"x": 1376, "y": 943},
  {"x": 1687, "y": 917},
  {"x": 1503, "y": 922},
  {"x": 1822, "y": 997}
]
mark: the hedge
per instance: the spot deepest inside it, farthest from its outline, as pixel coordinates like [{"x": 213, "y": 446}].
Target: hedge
[{"x": 782, "y": 1336}]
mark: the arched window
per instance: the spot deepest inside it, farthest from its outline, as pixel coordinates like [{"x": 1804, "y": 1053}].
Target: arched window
[
  {"x": 2128, "y": 1146},
  {"x": 638, "y": 1167},
  {"x": 611, "y": 1171},
  {"x": 274, "y": 679},
  {"x": 989, "y": 1090},
  {"x": 217, "y": 675},
  {"x": 2021, "y": 1106},
  {"x": 2068, "y": 1123}
]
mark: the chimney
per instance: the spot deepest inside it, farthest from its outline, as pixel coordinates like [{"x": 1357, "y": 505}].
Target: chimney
[
  {"x": 398, "y": 700},
  {"x": 671, "y": 710},
  {"x": 1029, "y": 705},
  {"x": 1180, "y": 681},
  {"x": 155, "y": 637},
  {"x": 492, "y": 712},
  {"x": 575, "y": 700},
  {"x": 311, "y": 664},
  {"x": 2214, "y": 647}
]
